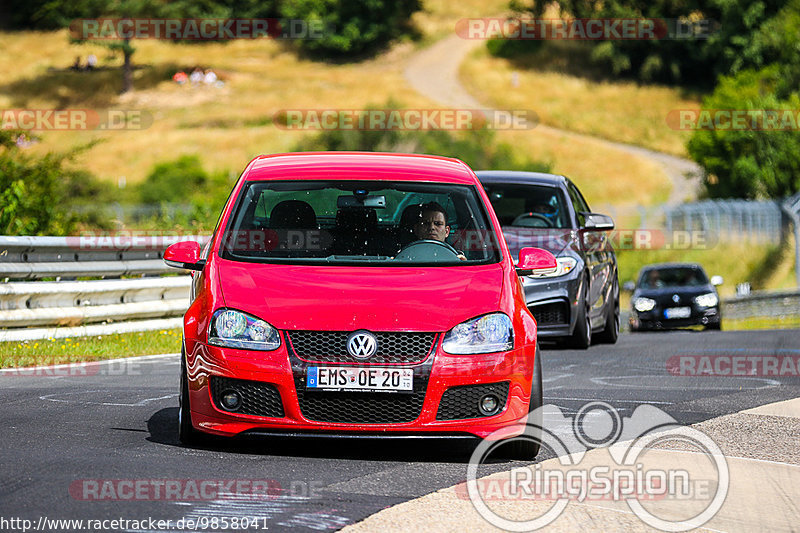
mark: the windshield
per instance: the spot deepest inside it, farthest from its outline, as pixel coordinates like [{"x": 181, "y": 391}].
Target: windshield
[
  {"x": 673, "y": 277},
  {"x": 370, "y": 223},
  {"x": 528, "y": 206}
]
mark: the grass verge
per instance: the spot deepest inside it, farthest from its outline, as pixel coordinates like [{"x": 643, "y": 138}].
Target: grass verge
[
  {"x": 783, "y": 322},
  {"x": 81, "y": 349}
]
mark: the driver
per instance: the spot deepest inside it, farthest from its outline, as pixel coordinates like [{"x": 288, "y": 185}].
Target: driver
[{"x": 432, "y": 225}]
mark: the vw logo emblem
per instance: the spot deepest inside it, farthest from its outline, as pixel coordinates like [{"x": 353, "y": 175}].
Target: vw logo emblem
[
  {"x": 362, "y": 344},
  {"x": 676, "y": 298}
]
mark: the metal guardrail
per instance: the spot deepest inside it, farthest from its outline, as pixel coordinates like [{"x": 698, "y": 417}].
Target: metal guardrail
[
  {"x": 769, "y": 304},
  {"x": 42, "y": 309},
  {"x": 85, "y": 256}
]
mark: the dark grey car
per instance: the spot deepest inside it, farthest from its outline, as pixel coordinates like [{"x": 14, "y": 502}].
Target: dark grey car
[{"x": 580, "y": 301}]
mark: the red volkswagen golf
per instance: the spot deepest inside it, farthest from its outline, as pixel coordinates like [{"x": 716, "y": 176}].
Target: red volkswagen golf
[{"x": 363, "y": 294}]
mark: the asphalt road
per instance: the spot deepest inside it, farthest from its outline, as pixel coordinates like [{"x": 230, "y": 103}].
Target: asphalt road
[{"x": 65, "y": 433}]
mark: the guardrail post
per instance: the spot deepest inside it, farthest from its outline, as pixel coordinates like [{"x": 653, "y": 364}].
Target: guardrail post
[{"x": 792, "y": 208}]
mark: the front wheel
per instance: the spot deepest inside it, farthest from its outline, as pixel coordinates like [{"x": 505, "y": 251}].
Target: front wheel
[
  {"x": 610, "y": 333},
  {"x": 187, "y": 434},
  {"x": 582, "y": 334},
  {"x": 526, "y": 447}
]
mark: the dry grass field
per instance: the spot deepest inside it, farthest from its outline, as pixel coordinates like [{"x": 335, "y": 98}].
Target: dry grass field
[
  {"x": 621, "y": 111},
  {"x": 227, "y": 126}
]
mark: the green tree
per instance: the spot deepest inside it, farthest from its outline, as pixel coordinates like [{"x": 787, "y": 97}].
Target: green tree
[
  {"x": 732, "y": 43},
  {"x": 749, "y": 163},
  {"x": 351, "y": 28},
  {"x": 38, "y": 194}
]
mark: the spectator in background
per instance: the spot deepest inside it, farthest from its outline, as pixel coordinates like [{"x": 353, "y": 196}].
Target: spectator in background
[
  {"x": 210, "y": 77},
  {"x": 196, "y": 76},
  {"x": 77, "y": 64},
  {"x": 91, "y": 62},
  {"x": 180, "y": 77}
]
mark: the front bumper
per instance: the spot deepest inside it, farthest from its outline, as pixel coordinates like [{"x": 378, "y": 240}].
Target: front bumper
[
  {"x": 553, "y": 302},
  {"x": 656, "y": 319},
  {"x": 304, "y": 412}
]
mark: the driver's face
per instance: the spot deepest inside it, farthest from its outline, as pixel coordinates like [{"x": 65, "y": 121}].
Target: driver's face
[{"x": 432, "y": 226}]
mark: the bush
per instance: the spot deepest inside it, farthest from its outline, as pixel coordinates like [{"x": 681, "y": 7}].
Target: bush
[
  {"x": 477, "y": 148},
  {"x": 512, "y": 48},
  {"x": 39, "y": 195},
  {"x": 184, "y": 183}
]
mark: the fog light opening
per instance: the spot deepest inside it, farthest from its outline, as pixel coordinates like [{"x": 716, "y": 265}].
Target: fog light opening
[
  {"x": 489, "y": 405},
  {"x": 230, "y": 400}
]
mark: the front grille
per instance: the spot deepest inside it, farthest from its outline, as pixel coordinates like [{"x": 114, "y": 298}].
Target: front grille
[
  {"x": 259, "y": 399},
  {"x": 362, "y": 407},
  {"x": 331, "y": 347},
  {"x": 550, "y": 314},
  {"x": 462, "y": 402}
]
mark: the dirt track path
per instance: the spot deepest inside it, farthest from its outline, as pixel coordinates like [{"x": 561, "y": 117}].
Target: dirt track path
[{"x": 433, "y": 72}]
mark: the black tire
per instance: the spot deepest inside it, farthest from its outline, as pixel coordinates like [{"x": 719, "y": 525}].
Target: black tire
[
  {"x": 582, "y": 334},
  {"x": 528, "y": 448},
  {"x": 187, "y": 434},
  {"x": 610, "y": 333},
  {"x": 717, "y": 326}
]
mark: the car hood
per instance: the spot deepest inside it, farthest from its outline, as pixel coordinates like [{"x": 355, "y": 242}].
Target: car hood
[
  {"x": 344, "y": 298},
  {"x": 665, "y": 294},
  {"x": 552, "y": 240}
]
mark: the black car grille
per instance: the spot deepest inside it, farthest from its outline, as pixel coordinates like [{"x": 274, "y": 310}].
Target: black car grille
[
  {"x": 362, "y": 407},
  {"x": 331, "y": 347},
  {"x": 463, "y": 401},
  {"x": 548, "y": 314},
  {"x": 259, "y": 399}
]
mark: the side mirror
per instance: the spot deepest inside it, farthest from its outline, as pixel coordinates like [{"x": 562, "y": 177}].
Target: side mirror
[
  {"x": 597, "y": 222},
  {"x": 628, "y": 286},
  {"x": 184, "y": 254},
  {"x": 536, "y": 261},
  {"x": 716, "y": 280}
]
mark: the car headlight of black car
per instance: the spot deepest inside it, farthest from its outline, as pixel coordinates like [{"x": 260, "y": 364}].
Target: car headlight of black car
[
  {"x": 643, "y": 304},
  {"x": 708, "y": 299},
  {"x": 483, "y": 334}
]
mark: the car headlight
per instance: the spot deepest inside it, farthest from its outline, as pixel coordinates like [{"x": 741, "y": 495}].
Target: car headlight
[
  {"x": 235, "y": 329},
  {"x": 708, "y": 299},
  {"x": 643, "y": 304},
  {"x": 485, "y": 334},
  {"x": 564, "y": 265}
]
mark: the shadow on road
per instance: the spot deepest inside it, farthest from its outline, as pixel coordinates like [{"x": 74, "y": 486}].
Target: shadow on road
[{"x": 163, "y": 425}]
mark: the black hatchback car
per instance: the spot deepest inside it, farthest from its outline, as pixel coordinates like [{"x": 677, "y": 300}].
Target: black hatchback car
[
  {"x": 674, "y": 295},
  {"x": 579, "y": 302}
]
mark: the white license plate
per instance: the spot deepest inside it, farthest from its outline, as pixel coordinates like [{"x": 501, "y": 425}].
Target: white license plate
[
  {"x": 677, "y": 312},
  {"x": 338, "y": 378}
]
